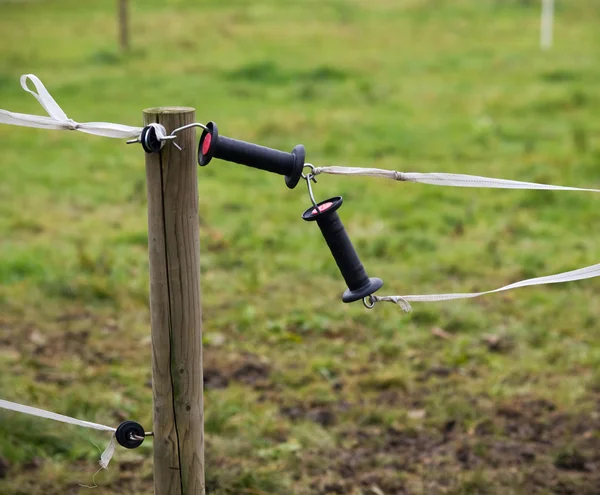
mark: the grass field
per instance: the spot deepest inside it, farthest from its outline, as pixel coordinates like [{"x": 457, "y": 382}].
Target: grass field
[{"x": 306, "y": 395}]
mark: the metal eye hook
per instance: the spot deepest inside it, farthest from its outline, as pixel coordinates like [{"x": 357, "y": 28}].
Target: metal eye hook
[
  {"x": 139, "y": 437},
  {"x": 369, "y": 302},
  {"x": 311, "y": 175}
]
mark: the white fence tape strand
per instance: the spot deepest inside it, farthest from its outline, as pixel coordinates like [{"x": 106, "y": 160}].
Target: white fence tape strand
[
  {"x": 579, "y": 274},
  {"x": 58, "y": 119},
  {"x": 444, "y": 179},
  {"x": 461, "y": 180},
  {"x": 41, "y": 413}
]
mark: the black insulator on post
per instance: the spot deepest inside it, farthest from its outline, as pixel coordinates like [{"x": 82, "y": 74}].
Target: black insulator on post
[
  {"x": 353, "y": 271},
  {"x": 252, "y": 155},
  {"x": 149, "y": 140},
  {"x": 130, "y": 434}
]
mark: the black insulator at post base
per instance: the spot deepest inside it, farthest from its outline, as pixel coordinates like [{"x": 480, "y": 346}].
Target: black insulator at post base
[
  {"x": 149, "y": 140},
  {"x": 126, "y": 432},
  {"x": 252, "y": 155},
  {"x": 353, "y": 271}
]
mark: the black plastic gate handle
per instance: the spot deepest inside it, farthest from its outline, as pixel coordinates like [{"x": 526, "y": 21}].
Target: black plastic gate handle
[
  {"x": 353, "y": 271},
  {"x": 252, "y": 155}
]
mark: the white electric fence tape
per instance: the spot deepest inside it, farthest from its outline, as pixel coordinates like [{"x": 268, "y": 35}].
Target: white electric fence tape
[
  {"x": 58, "y": 119},
  {"x": 461, "y": 180},
  {"x": 546, "y": 24},
  {"x": 40, "y": 413},
  {"x": 444, "y": 179},
  {"x": 579, "y": 274}
]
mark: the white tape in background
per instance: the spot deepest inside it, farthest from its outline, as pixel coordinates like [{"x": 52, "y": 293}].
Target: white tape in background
[
  {"x": 41, "y": 413},
  {"x": 546, "y": 24},
  {"x": 461, "y": 180},
  {"x": 58, "y": 119}
]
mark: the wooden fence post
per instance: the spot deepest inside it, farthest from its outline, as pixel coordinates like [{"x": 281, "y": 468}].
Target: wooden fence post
[{"x": 175, "y": 310}]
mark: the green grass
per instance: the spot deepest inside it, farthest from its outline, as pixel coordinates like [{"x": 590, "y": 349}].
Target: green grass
[{"x": 349, "y": 400}]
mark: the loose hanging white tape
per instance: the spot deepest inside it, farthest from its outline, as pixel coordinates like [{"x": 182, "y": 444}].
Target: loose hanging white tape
[
  {"x": 579, "y": 274},
  {"x": 41, "y": 413},
  {"x": 108, "y": 453},
  {"x": 443, "y": 179},
  {"x": 58, "y": 119}
]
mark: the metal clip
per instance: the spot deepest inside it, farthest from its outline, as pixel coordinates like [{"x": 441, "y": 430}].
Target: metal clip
[{"x": 308, "y": 178}]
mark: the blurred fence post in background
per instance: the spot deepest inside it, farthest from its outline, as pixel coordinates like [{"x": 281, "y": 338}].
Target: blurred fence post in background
[
  {"x": 546, "y": 22},
  {"x": 175, "y": 310},
  {"x": 123, "y": 13}
]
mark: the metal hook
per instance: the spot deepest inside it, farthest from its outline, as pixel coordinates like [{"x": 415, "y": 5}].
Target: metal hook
[
  {"x": 308, "y": 178},
  {"x": 188, "y": 126},
  {"x": 183, "y": 128},
  {"x": 310, "y": 191}
]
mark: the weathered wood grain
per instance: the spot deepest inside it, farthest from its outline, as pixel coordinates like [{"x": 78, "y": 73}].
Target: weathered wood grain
[{"x": 175, "y": 306}]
